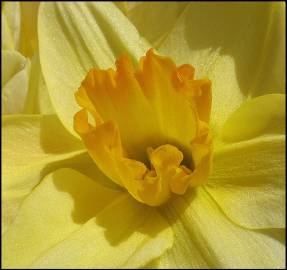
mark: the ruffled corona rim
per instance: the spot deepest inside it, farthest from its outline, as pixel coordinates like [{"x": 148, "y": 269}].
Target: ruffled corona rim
[{"x": 147, "y": 129}]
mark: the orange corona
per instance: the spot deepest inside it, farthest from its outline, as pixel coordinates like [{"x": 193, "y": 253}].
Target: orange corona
[{"x": 150, "y": 132}]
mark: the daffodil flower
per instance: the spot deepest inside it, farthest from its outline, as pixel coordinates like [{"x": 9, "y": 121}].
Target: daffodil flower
[{"x": 170, "y": 158}]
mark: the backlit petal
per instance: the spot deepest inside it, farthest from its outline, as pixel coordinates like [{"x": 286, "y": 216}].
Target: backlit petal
[
  {"x": 31, "y": 147},
  {"x": 15, "y": 82},
  {"x": 259, "y": 116},
  {"x": 29, "y": 22},
  {"x": 248, "y": 181},
  {"x": 154, "y": 20},
  {"x": 272, "y": 69},
  {"x": 82, "y": 232},
  {"x": 206, "y": 238},
  {"x": 248, "y": 177},
  {"x": 10, "y": 18},
  {"x": 75, "y": 38},
  {"x": 38, "y": 99},
  {"x": 226, "y": 43}
]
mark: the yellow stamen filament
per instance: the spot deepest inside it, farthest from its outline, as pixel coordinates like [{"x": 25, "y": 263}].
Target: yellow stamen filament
[{"x": 150, "y": 132}]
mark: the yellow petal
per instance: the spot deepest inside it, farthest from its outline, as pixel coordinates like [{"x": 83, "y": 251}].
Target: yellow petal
[
  {"x": 75, "y": 38},
  {"x": 248, "y": 177},
  {"x": 19, "y": 27},
  {"x": 38, "y": 99},
  {"x": 248, "y": 181},
  {"x": 206, "y": 238},
  {"x": 29, "y": 151},
  {"x": 41, "y": 223},
  {"x": 276, "y": 233},
  {"x": 272, "y": 69},
  {"x": 82, "y": 232},
  {"x": 10, "y": 18},
  {"x": 259, "y": 116},
  {"x": 15, "y": 81},
  {"x": 122, "y": 5},
  {"x": 7, "y": 42},
  {"x": 226, "y": 43},
  {"x": 13, "y": 63},
  {"x": 30, "y": 140},
  {"x": 14, "y": 196},
  {"x": 154, "y": 20},
  {"x": 29, "y": 21}
]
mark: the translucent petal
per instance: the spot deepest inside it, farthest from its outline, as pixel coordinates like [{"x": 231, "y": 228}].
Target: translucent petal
[
  {"x": 233, "y": 45},
  {"x": 29, "y": 22},
  {"x": 10, "y": 18},
  {"x": 32, "y": 146},
  {"x": 248, "y": 181},
  {"x": 271, "y": 77},
  {"x": 154, "y": 20},
  {"x": 259, "y": 116},
  {"x": 248, "y": 177},
  {"x": 7, "y": 42},
  {"x": 82, "y": 232},
  {"x": 15, "y": 81},
  {"x": 206, "y": 238},
  {"x": 38, "y": 99},
  {"x": 75, "y": 38}
]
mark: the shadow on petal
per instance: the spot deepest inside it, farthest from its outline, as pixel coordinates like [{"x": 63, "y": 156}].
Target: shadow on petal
[
  {"x": 275, "y": 233},
  {"x": 89, "y": 198},
  {"x": 115, "y": 211},
  {"x": 234, "y": 30},
  {"x": 61, "y": 140}
]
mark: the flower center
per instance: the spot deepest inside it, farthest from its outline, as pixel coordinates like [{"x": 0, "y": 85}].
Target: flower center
[{"x": 150, "y": 132}]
